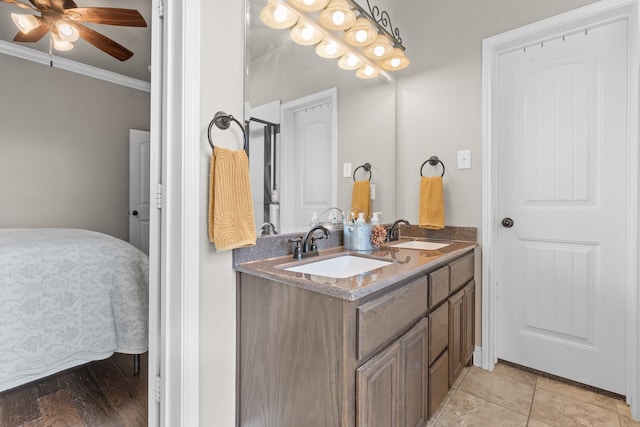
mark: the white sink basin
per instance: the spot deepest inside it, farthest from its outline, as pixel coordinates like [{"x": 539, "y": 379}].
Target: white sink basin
[
  {"x": 420, "y": 245},
  {"x": 340, "y": 267}
]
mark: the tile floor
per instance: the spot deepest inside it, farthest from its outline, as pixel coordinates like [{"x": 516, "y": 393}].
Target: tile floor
[{"x": 509, "y": 396}]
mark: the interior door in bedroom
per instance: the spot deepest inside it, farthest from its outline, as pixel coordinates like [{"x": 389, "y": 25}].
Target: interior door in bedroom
[{"x": 139, "y": 189}]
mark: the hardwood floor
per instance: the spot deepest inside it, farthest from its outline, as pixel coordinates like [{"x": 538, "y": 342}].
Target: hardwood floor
[{"x": 104, "y": 393}]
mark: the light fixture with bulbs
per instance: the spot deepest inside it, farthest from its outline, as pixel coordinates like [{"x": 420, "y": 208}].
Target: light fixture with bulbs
[{"x": 341, "y": 29}]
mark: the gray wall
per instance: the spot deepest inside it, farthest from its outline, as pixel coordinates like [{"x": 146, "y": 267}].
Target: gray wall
[
  {"x": 64, "y": 148},
  {"x": 440, "y": 94}
]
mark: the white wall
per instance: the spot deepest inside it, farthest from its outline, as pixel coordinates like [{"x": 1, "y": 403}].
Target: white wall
[
  {"x": 64, "y": 145},
  {"x": 64, "y": 148},
  {"x": 222, "y": 81}
]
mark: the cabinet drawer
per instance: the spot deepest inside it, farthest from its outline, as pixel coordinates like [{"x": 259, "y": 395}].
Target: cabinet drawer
[
  {"x": 438, "y": 332},
  {"x": 381, "y": 320},
  {"x": 461, "y": 271},
  {"x": 438, "y": 286},
  {"x": 438, "y": 383}
]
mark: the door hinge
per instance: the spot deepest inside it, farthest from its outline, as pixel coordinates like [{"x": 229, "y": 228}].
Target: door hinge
[
  {"x": 161, "y": 9},
  {"x": 158, "y": 388},
  {"x": 159, "y": 196}
]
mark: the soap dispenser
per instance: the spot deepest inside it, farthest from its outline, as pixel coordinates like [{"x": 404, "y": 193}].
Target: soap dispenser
[
  {"x": 360, "y": 219},
  {"x": 375, "y": 219}
]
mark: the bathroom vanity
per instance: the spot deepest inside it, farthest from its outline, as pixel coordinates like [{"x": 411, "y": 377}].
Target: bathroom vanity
[{"x": 379, "y": 348}]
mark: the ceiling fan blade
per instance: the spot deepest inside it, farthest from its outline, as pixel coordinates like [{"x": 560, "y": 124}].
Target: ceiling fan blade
[
  {"x": 107, "y": 15},
  {"x": 61, "y": 5},
  {"x": 34, "y": 35},
  {"x": 104, "y": 43},
  {"x": 19, "y": 4}
]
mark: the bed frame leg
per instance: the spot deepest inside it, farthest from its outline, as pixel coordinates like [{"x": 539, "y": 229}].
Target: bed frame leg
[{"x": 136, "y": 364}]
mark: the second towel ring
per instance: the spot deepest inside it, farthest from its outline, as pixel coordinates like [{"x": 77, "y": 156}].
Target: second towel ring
[
  {"x": 433, "y": 161},
  {"x": 222, "y": 121},
  {"x": 366, "y": 167}
]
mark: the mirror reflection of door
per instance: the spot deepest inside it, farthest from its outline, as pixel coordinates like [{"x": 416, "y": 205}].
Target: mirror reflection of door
[
  {"x": 310, "y": 154},
  {"x": 294, "y": 172}
]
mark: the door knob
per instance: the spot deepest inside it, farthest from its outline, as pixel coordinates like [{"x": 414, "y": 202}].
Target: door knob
[
  {"x": 507, "y": 222},
  {"x": 134, "y": 213}
]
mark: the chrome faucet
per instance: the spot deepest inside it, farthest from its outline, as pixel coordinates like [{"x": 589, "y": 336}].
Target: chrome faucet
[
  {"x": 268, "y": 228},
  {"x": 392, "y": 231},
  {"x": 309, "y": 247}
]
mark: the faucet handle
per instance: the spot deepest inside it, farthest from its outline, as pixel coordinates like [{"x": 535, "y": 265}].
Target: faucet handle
[
  {"x": 297, "y": 251},
  {"x": 314, "y": 246}
]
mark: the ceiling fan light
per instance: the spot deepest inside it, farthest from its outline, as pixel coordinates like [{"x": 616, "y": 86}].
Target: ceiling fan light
[
  {"x": 59, "y": 44},
  {"x": 305, "y": 34},
  {"x": 309, "y": 5},
  {"x": 67, "y": 32},
  {"x": 367, "y": 72},
  {"x": 381, "y": 48},
  {"x": 349, "y": 61},
  {"x": 337, "y": 16},
  {"x": 25, "y": 23},
  {"x": 278, "y": 16},
  {"x": 330, "y": 49},
  {"x": 397, "y": 61},
  {"x": 361, "y": 33}
]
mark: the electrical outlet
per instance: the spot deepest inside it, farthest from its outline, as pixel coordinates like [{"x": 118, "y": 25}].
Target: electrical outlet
[
  {"x": 464, "y": 159},
  {"x": 346, "y": 170}
]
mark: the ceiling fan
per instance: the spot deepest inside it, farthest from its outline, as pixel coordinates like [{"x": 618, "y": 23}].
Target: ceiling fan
[{"x": 64, "y": 19}]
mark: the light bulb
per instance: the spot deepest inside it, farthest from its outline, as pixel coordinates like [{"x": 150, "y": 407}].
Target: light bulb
[
  {"x": 361, "y": 35},
  {"x": 280, "y": 14},
  {"x": 378, "y": 51},
  {"x": 59, "y": 44},
  {"x": 67, "y": 32},
  {"x": 395, "y": 62},
  {"x": 338, "y": 18},
  {"x": 277, "y": 15},
  {"x": 329, "y": 49},
  {"x": 307, "y": 33},
  {"x": 367, "y": 72},
  {"x": 349, "y": 61},
  {"x": 25, "y": 23}
]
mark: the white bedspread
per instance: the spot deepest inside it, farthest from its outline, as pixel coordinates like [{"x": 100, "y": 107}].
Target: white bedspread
[{"x": 68, "y": 296}]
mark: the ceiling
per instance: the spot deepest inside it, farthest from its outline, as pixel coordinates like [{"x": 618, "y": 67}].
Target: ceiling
[{"x": 137, "y": 40}]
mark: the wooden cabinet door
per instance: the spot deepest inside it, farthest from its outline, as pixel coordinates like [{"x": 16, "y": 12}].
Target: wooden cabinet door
[
  {"x": 377, "y": 394},
  {"x": 457, "y": 349},
  {"x": 469, "y": 320},
  {"x": 414, "y": 375}
]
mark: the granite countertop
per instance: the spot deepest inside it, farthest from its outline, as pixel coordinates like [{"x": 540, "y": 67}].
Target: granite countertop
[{"x": 406, "y": 263}]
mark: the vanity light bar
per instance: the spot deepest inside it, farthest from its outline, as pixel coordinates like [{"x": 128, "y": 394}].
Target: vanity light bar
[{"x": 282, "y": 14}]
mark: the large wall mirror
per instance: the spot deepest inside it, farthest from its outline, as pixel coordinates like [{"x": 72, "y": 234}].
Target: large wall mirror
[{"x": 307, "y": 118}]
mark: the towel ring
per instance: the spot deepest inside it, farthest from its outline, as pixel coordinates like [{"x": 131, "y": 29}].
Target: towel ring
[
  {"x": 366, "y": 167},
  {"x": 433, "y": 161},
  {"x": 223, "y": 120}
]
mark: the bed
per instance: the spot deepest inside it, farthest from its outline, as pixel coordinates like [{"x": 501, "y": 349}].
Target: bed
[{"x": 67, "y": 297}]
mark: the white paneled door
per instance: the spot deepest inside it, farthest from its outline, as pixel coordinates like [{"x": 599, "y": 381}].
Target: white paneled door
[
  {"x": 139, "y": 189},
  {"x": 562, "y": 185}
]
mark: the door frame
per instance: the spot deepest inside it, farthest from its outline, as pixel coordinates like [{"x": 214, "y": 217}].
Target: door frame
[{"x": 595, "y": 14}]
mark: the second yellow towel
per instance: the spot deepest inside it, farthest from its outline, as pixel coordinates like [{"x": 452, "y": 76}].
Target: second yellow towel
[
  {"x": 361, "y": 198},
  {"x": 231, "y": 221},
  {"x": 431, "y": 214}
]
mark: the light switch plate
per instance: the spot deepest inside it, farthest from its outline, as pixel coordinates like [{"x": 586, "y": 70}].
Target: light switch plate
[
  {"x": 346, "y": 170},
  {"x": 464, "y": 159}
]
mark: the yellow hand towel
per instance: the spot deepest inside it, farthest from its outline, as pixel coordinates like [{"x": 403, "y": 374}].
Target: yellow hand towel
[
  {"x": 231, "y": 222},
  {"x": 431, "y": 213},
  {"x": 361, "y": 198}
]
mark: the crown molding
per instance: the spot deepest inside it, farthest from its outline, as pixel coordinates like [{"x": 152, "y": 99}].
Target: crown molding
[{"x": 73, "y": 66}]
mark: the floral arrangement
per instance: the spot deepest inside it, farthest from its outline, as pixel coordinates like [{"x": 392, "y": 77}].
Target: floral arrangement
[{"x": 378, "y": 235}]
